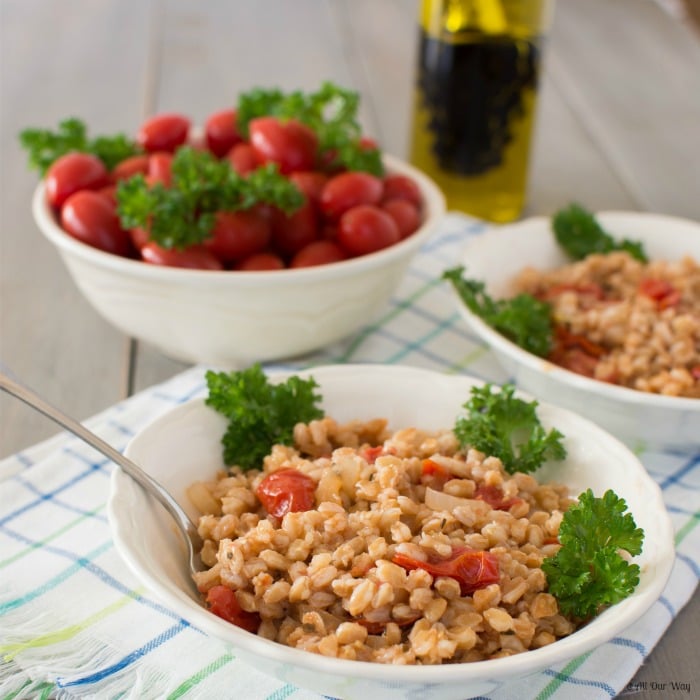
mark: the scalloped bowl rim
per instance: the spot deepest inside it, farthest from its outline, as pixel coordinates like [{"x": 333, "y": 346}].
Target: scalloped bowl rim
[
  {"x": 620, "y": 393},
  {"x": 600, "y": 630},
  {"x": 434, "y": 207}
]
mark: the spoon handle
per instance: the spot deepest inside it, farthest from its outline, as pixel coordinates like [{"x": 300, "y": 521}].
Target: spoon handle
[{"x": 134, "y": 471}]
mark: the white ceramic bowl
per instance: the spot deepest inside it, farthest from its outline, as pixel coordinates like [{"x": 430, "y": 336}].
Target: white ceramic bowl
[
  {"x": 641, "y": 419},
  {"x": 235, "y": 318},
  {"x": 183, "y": 446}
]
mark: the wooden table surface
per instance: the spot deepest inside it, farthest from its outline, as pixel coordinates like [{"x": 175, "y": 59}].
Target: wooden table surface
[{"x": 618, "y": 128}]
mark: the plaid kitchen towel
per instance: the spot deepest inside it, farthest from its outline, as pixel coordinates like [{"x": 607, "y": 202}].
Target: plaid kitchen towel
[{"x": 75, "y": 623}]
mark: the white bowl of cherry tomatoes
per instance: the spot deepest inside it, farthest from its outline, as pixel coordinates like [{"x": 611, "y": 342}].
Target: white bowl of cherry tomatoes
[{"x": 243, "y": 241}]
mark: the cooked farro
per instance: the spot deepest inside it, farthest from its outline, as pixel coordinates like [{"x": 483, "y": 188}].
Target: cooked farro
[
  {"x": 347, "y": 578},
  {"x": 625, "y": 322}
]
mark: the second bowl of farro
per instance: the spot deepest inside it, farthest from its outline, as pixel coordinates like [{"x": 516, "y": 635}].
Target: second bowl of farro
[
  {"x": 613, "y": 334},
  {"x": 375, "y": 552}
]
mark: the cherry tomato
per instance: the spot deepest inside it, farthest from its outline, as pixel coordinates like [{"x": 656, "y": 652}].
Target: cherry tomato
[
  {"x": 494, "y": 496},
  {"x": 367, "y": 143},
  {"x": 329, "y": 231},
  {"x": 286, "y": 491},
  {"x": 243, "y": 158},
  {"x": 471, "y": 569},
  {"x": 109, "y": 191},
  {"x": 196, "y": 257},
  {"x": 290, "y": 144},
  {"x": 220, "y": 132},
  {"x": 310, "y": 183},
  {"x": 91, "y": 218},
  {"x": 160, "y": 168},
  {"x": 73, "y": 172},
  {"x": 366, "y": 229},
  {"x": 290, "y": 233},
  {"x": 405, "y": 214},
  {"x": 434, "y": 474},
  {"x": 222, "y": 601},
  {"x": 139, "y": 237},
  {"x": 661, "y": 291},
  {"x": 401, "y": 187},
  {"x": 133, "y": 165},
  {"x": 348, "y": 190},
  {"x": 318, "y": 253},
  {"x": 163, "y": 132},
  {"x": 260, "y": 261},
  {"x": 237, "y": 234}
]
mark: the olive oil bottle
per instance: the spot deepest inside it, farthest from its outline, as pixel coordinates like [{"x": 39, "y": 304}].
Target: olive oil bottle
[{"x": 475, "y": 100}]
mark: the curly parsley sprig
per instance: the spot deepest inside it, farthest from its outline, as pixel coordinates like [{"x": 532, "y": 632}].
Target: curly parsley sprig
[
  {"x": 523, "y": 319},
  {"x": 45, "y": 146},
  {"x": 260, "y": 413},
  {"x": 498, "y": 423},
  {"x": 588, "y": 573},
  {"x": 580, "y": 234},
  {"x": 183, "y": 214},
  {"x": 331, "y": 112}
]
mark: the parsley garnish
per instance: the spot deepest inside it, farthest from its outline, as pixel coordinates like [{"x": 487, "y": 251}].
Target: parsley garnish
[
  {"x": 504, "y": 426},
  {"x": 183, "y": 214},
  {"x": 260, "y": 414},
  {"x": 588, "y": 573},
  {"x": 46, "y": 146},
  {"x": 331, "y": 112},
  {"x": 578, "y": 232},
  {"x": 523, "y": 319}
]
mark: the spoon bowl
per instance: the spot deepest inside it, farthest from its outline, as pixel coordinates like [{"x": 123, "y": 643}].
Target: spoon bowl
[{"x": 184, "y": 523}]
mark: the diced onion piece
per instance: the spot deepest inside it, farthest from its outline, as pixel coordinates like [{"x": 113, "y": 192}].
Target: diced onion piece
[{"x": 439, "y": 500}]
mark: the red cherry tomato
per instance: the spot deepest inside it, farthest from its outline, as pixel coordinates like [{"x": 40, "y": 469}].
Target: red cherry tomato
[
  {"x": 163, "y": 132},
  {"x": 109, "y": 191},
  {"x": 310, "y": 183},
  {"x": 91, "y": 218},
  {"x": 494, "y": 496},
  {"x": 661, "y": 291},
  {"x": 473, "y": 570},
  {"x": 196, "y": 257},
  {"x": 139, "y": 237},
  {"x": 329, "y": 231},
  {"x": 237, "y": 234},
  {"x": 367, "y": 143},
  {"x": 222, "y": 601},
  {"x": 405, "y": 214},
  {"x": 366, "y": 229},
  {"x": 318, "y": 253},
  {"x": 133, "y": 165},
  {"x": 290, "y": 233},
  {"x": 160, "y": 168},
  {"x": 220, "y": 132},
  {"x": 401, "y": 187},
  {"x": 286, "y": 491},
  {"x": 434, "y": 474},
  {"x": 243, "y": 158},
  {"x": 290, "y": 144},
  {"x": 73, "y": 172},
  {"x": 348, "y": 190},
  {"x": 260, "y": 261}
]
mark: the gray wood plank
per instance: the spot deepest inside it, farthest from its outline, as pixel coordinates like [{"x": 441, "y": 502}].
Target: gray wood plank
[
  {"x": 58, "y": 60},
  {"x": 639, "y": 103}
]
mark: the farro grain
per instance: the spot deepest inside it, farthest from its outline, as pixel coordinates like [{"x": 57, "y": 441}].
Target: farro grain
[{"x": 323, "y": 580}]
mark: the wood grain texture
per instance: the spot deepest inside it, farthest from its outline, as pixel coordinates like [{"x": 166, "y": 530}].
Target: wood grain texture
[
  {"x": 618, "y": 128},
  {"x": 58, "y": 60}
]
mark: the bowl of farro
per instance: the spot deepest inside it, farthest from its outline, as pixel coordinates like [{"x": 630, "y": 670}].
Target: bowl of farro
[
  {"x": 348, "y": 596},
  {"x": 625, "y": 343}
]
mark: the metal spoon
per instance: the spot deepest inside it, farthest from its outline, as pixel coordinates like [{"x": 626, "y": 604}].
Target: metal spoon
[{"x": 182, "y": 520}]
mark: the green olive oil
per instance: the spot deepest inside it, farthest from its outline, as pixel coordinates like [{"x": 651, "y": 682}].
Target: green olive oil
[{"x": 475, "y": 100}]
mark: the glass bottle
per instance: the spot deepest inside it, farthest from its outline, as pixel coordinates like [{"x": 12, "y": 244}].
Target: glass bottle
[{"x": 475, "y": 100}]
